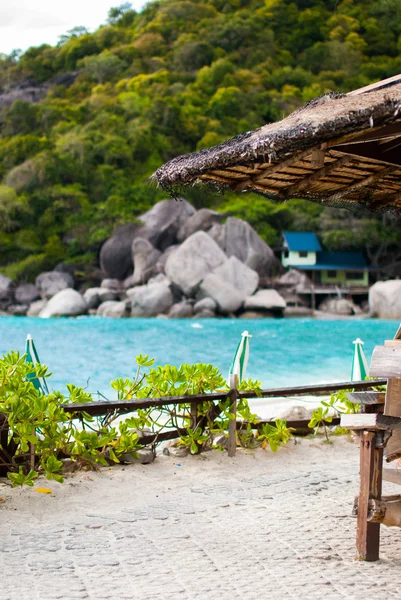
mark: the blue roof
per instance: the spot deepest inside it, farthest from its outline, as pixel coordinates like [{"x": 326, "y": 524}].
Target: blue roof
[
  {"x": 304, "y": 241},
  {"x": 336, "y": 261}
]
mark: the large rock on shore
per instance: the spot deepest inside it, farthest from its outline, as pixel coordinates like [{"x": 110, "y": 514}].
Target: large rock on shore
[
  {"x": 205, "y": 304},
  {"x": 144, "y": 257},
  {"x": 385, "y": 299},
  {"x": 164, "y": 220},
  {"x": 238, "y": 238},
  {"x": 113, "y": 309},
  {"x": 192, "y": 261},
  {"x": 159, "y": 226},
  {"x": 115, "y": 254},
  {"x": 202, "y": 220},
  {"x": 18, "y": 310},
  {"x": 98, "y": 295},
  {"x": 268, "y": 300},
  {"x": 112, "y": 284},
  {"x": 7, "y": 287},
  {"x": 52, "y": 282},
  {"x": 339, "y": 306},
  {"x": 35, "y": 308},
  {"x": 181, "y": 310},
  {"x": 152, "y": 299},
  {"x": 161, "y": 263},
  {"x": 26, "y": 293},
  {"x": 229, "y": 285},
  {"x": 66, "y": 303},
  {"x": 295, "y": 280}
]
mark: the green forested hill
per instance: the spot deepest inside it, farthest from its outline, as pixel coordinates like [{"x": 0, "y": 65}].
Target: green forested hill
[{"x": 177, "y": 77}]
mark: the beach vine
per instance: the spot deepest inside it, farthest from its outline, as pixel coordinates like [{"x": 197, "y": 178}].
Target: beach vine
[{"x": 38, "y": 436}]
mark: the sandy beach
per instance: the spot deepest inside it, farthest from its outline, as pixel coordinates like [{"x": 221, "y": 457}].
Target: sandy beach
[{"x": 197, "y": 527}]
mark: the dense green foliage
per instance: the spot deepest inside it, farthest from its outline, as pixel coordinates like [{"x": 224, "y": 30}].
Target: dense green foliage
[
  {"x": 179, "y": 76},
  {"x": 44, "y": 438}
]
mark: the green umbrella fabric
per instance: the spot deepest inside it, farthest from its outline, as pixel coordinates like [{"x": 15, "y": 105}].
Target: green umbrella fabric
[
  {"x": 360, "y": 367},
  {"x": 240, "y": 360},
  {"x": 32, "y": 357}
]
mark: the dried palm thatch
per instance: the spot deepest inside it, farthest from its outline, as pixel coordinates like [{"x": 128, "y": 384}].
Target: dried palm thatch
[{"x": 340, "y": 150}]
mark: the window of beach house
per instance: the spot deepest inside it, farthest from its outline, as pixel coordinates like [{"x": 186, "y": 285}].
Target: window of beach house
[
  {"x": 286, "y": 253},
  {"x": 332, "y": 274},
  {"x": 355, "y": 275},
  {"x": 303, "y": 254}
]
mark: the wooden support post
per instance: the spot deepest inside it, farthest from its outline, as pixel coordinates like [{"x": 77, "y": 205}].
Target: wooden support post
[
  {"x": 7, "y": 449},
  {"x": 371, "y": 465},
  {"x": 194, "y": 415},
  {"x": 232, "y": 424},
  {"x": 32, "y": 455}
]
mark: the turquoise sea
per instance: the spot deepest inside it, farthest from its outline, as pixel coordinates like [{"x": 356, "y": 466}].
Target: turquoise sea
[{"x": 91, "y": 352}]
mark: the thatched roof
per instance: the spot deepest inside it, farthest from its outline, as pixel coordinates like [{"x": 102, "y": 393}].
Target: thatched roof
[{"x": 341, "y": 150}]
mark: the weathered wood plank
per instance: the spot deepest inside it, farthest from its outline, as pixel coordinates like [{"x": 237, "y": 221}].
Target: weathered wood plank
[
  {"x": 371, "y": 422},
  {"x": 392, "y": 407},
  {"x": 232, "y": 424},
  {"x": 371, "y": 460},
  {"x": 393, "y": 398},
  {"x": 99, "y": 408},
  {"x": 386, "y": 362},
  {"x": 313, "y": 177},
  {"x": 315, "y": 390},
  {"x": 385, "y": 511},
  {"x": 392, "y": 475},
  {"x": 378, "y": 85},
  {"x": 317, "y": 156},
  {"x": 367, "y": 398},
  {"x": 363, "y": 183}
]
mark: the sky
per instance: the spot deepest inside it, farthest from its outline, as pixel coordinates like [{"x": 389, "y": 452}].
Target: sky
[{"x": 25, "y": 23}]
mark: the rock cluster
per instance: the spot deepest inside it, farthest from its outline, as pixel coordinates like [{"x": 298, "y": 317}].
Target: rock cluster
[
  {"x": 174, "y": 261},
  {"x": 178, "y": 262}
]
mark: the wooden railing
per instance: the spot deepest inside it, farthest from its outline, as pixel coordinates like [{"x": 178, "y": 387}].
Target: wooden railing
[
  {"x": 101, "y": 408},
  {"x": 121, "y": 407}
]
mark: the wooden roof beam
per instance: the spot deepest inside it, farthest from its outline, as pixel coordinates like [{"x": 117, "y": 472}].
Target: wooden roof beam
[
  {"x": 363, "y": 182},
  {"x": 213, "y": 176},
  {"x": 313, "y": 177},
  {"x": 373, "y": 87},
  {"x": 391, "y": 199},
  {"x": 270, "y": 170}
]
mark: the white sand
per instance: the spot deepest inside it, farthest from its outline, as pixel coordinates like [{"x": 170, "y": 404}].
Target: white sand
[{"x": 207, "y": 527}]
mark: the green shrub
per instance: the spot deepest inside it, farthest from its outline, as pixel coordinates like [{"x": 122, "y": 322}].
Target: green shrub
[
  {"x": 28, "y": 268},
  {"x": 44, "y": 434}
]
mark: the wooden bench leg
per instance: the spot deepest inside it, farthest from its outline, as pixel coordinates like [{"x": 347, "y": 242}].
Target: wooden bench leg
[{"x": 371, "y": 468}]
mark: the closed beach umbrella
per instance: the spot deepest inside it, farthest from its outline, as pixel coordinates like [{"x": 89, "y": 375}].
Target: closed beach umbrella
[
  {"x": 32, "y": 357},
  {"x": 240, "y": 361},
  {"x": 359, "y": 363}
]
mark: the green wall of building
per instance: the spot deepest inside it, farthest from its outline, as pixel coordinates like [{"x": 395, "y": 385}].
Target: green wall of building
[{"x": 345, "y": 278}]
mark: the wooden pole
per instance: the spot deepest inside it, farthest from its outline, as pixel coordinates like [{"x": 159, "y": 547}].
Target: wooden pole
[
  {"x": 232, "y": 424},
  {"x": 194, "y": 415},
  {"x": 32, "y": 455},
  {"x": 371, "y": 465}
]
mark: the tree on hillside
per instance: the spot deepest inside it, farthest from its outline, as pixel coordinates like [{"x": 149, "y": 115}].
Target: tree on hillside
[
  {"x": 121, "y": 15},
  {"x": 101, "y": 66},
  {"x": 178, "y": 76}
]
